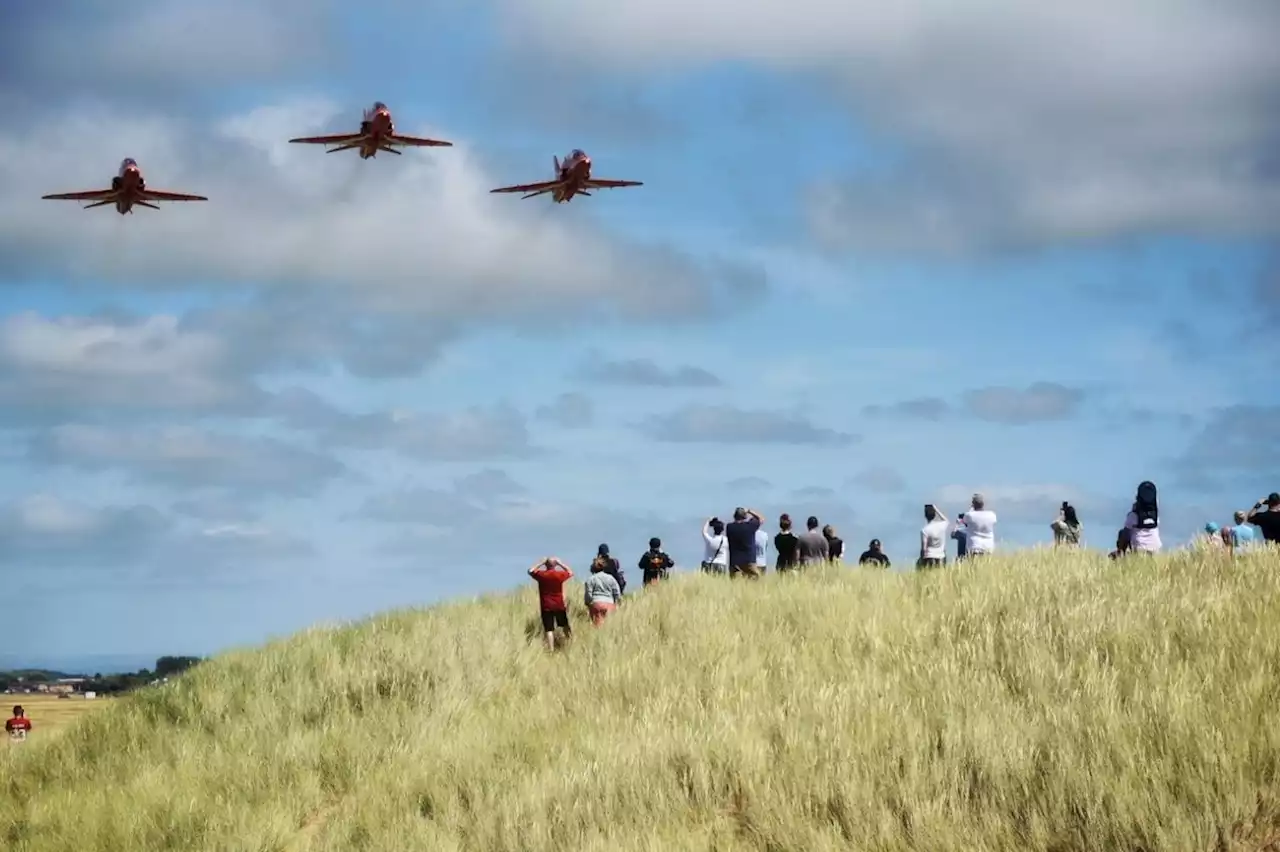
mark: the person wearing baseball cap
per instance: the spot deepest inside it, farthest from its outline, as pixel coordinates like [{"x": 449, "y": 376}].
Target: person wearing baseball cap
[{"x": 1268, "y": 522}]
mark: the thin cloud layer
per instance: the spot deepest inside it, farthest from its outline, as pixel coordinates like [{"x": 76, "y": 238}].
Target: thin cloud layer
[
  {"x": 161, "y": 47},
  {"x": 644, "y": 372},
  {"x": 1040, "y": 402},
  {"x": 1011, "y": 125},
  {"x": 726, "y": 424},
  {"x": 189, "y": 457},
  {"x": 568, "y": 410},
  {"x": 129, "y": 543}
]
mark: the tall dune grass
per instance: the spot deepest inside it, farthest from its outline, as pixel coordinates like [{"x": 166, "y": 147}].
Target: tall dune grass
[{"x": 1035, "y": 701}]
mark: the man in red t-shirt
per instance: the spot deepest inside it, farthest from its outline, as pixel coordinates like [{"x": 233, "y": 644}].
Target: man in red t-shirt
[
  {"x": 19, "y": 726},
  {"x": 551, "y": 574}
]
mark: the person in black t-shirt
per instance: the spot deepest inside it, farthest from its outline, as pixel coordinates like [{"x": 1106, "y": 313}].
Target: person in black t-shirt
[
  {"x": 741, "y": 536},
  {"x": 835, "y": 544},
  {"x": 654, "y": 564},
  {"x": 1267, "y": 522},
  {"x": 785, "y": 544},
  {"x": 873, "y": 555}
]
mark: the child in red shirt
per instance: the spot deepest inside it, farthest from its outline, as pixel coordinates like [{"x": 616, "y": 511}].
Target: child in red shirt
[
  {"x": 551, "y": 574},
  {"x": 19, "y": 726}
]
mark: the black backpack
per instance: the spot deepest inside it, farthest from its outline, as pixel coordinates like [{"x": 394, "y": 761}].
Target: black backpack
[{"x": 1145, "y": 508}]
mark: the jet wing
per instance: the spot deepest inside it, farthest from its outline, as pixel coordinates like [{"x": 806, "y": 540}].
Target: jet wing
[
  {"x": 86, "y": 195},
  {"x": 161, "y": 195},
  {"x": 420, "y": 142},
  {"x": 344, "y": 139},
  {"x": 603, "y": 183},
  {"x": 530, "y": 187}
]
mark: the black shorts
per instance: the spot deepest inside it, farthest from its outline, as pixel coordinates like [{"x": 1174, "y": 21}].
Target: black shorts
[
  {"x": 929, "y": 562},
  {"x": 552, "y": 618},
  {"x": 652, "y": 576}
]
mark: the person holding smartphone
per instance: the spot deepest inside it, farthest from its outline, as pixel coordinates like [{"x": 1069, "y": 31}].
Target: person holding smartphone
[{"x": 933, "y": 538}]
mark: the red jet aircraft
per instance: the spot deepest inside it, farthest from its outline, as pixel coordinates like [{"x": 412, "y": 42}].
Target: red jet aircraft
[
  {"x": 377, "y": 133},
  {"x": 573, "y": 177},
  {"x": 127, "y": 189}
]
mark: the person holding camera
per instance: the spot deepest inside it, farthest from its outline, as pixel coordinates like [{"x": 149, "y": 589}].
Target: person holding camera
[
  {"x": 715, "y": 556},
  {"x": 741, "y": 537},
  {"x": 933, "y": 538},
  {"x": 1268, "y": 522}
]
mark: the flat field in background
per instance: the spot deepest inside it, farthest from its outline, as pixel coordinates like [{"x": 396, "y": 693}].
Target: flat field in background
[
  {"x": 1035, "y": 701},
  {"x": 49, "y": 713}
]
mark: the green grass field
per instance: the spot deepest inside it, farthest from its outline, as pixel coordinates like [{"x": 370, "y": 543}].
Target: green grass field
[
  {"x": 1034, "y": 702},
  {"x": 50, "y": 713}
]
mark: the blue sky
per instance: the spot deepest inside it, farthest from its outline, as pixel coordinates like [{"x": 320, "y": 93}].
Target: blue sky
[{"x": 880, "y": 258}]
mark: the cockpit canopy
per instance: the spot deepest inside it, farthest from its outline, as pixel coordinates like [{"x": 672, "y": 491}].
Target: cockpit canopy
[
  {"x": 128, "y": 163},
  {"x": 379, "y": 106},
  {"x": 577, "y": 154}
]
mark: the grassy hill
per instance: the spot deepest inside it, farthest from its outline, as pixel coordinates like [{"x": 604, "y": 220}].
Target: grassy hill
[{"x": 1031, "y": 703}]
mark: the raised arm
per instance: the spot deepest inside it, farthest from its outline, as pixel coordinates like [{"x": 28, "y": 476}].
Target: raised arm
[{"x": 1254, "y": 512}]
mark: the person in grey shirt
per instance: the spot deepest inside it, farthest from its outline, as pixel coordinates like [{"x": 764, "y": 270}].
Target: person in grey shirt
[{"x": 811, "y": 545}]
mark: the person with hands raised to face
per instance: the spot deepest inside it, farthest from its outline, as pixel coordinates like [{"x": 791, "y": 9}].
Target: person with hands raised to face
[
  {"x": 551, "y": 574},
  {"x": 1268, "y": 522}
]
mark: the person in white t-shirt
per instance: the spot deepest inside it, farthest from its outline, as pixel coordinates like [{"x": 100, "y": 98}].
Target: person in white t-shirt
[
  {"x": 715, "y": 556},
  {"x": 981, "y": 524},
  {"x": 933, "y": 538},
  {"x": 762, "y": 551}
]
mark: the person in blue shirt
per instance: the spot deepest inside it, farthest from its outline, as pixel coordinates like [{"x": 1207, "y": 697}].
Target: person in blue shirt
[{"x": 1243, "y": 534}]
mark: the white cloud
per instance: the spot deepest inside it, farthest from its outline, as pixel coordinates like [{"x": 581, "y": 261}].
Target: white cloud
[
  {"x": 93, "y": 362},
  {"x": 45, "y": 528},
  {"x": 1022, "y": 123}
]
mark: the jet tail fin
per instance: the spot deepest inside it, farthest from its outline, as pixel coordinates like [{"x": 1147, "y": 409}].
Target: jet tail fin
[{"x": 555, "y": 159}]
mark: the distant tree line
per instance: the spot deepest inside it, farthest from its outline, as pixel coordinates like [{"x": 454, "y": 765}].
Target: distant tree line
[{"x": 168, "y": 666}]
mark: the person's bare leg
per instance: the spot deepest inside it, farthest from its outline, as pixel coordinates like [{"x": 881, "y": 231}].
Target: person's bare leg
[{"x": 551, "y": 640}]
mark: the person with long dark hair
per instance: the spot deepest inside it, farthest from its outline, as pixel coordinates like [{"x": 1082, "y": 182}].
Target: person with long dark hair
[
  {"x": 1066, "y": 527},
  {"x": 1143, "y": 520}
]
